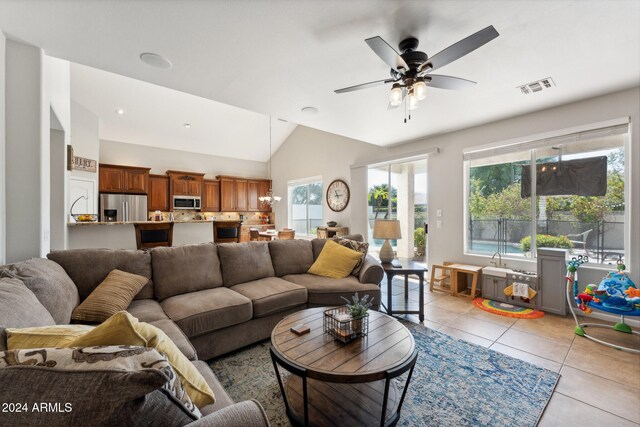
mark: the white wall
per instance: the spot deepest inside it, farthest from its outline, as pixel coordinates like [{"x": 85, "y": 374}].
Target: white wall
[
  {"x": 161, "y": 160},
  {"x": 3, "y": 219},
  {"x": 26, "y": 153},
  {"x": 58, "y": 83},
  {"x": 310, "y": 152},
  {"x": 86, "y": 143}
]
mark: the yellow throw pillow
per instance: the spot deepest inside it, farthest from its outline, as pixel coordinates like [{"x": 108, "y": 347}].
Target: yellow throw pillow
[
  {"x": 114, "y": 294},
  {"x": 335, "y": 261},
  {"x": 124, "y": 329},
  {"x": 44, "y": 336}
]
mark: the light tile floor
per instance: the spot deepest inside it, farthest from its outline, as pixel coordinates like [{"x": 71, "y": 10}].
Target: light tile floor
[{"x": 600, "y": 386}]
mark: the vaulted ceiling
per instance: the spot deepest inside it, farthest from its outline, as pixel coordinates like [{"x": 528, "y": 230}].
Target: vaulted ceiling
[{"x": 275, "y": 57}]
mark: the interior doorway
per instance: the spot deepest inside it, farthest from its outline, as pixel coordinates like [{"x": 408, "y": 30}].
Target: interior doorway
[{"x": 399, "y": 191}]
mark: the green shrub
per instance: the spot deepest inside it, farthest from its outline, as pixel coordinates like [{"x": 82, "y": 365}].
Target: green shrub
[
  {"x": 419, "y": 241},
  {"x": 546, "y": 241}
]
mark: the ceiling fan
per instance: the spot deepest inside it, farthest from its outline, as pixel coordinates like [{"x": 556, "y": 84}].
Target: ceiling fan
[{"x": 410, "y": 71}]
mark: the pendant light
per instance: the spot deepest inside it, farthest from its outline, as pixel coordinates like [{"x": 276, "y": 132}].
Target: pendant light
[{"x": 269, "y": 198}]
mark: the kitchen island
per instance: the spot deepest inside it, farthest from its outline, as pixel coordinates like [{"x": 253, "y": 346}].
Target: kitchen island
[{"x": 121, "y": 235}]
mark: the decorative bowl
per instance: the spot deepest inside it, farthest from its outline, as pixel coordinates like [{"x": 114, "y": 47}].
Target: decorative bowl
[
  {"x": 85, "y": 217},
  {"x": 332, "y": 224}
]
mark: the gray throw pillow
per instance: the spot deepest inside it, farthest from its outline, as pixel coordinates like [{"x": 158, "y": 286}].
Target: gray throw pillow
[
  {"x": 19, "y": 308},
  {"x": 50, "y": 284}
]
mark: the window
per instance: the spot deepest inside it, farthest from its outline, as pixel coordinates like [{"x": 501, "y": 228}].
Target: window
[
  {"x": 305, "y": 206},
  {"x": 574, "y": 197}
]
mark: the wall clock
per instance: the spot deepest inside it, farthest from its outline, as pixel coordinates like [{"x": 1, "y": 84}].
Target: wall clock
[{"x": 338, "y": 195}]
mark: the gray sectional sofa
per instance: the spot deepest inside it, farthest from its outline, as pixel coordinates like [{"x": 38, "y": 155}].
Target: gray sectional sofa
[{"x": 209, "y": 298}]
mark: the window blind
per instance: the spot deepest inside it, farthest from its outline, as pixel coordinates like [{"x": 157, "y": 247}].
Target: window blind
[{"x": 546, "y": 142}]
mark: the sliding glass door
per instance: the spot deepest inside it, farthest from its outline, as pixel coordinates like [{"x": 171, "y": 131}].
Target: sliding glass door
[{"x": 399, "y": 191}]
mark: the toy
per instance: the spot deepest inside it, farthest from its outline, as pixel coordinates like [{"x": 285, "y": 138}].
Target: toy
[{"x": 615, "y": 294}]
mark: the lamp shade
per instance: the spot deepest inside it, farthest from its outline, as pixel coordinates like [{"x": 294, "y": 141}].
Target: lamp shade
[{"x": 386, "y": 229}]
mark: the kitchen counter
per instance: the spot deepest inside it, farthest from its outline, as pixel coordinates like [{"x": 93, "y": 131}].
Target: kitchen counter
[
  {"x": 191, "y": 221},
  {"x": 121, "y": 235}
]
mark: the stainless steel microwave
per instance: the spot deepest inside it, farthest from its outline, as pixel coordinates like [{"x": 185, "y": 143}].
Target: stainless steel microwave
[{"x": 186, "y": 202}]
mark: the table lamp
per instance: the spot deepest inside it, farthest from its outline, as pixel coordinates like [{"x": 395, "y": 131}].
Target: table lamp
[{"x": 386, "y": 229}]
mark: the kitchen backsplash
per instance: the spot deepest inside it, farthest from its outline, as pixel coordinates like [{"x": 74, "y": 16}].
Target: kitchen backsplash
[{"x": 248, "y": 218}]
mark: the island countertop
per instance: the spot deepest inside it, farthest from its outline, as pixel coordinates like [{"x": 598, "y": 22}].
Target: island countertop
[{"x": 190, "y": 221}]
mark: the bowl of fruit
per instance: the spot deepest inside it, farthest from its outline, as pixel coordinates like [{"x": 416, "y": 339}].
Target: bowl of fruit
[{"x": 85, "y": 217}]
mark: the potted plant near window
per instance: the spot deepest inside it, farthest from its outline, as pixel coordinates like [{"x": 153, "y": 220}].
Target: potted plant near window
[{"x": 358, "y": 310}]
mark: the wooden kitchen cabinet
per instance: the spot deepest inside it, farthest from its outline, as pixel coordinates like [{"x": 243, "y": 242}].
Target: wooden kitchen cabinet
[
  {"x": 227, "y": 194},
  {"x": 158, "y": 199},
  {"x": 253, "y": 192},
  {"x": 123, "y": 179},
  {"x": 211, "y": 196},
  {"x": 241, "y": 194},
  {"x": 184, "y": 184},
  {"x": 263, "y": 189},
  {"x": 257, "y": 188},
  {"x": 233, "y": 194}
]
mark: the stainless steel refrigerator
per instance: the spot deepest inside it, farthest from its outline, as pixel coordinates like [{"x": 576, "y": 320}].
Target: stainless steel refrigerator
[{"x": 122, "y": 208}]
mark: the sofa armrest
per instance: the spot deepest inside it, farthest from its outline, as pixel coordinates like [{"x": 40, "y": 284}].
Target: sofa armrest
[
  {"x": 243, "y": 414},
  {"x": 371, "y": 271}
]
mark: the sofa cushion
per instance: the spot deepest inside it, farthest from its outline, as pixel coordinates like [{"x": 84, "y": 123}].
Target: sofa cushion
[
  {"x": 328, "y": 291},
  {"x": 114, "y": 294},
  {"x": 244, "y": 262},
  {"x": 336, "y": 261},
  {"x": 88, "y": 267},
  {"x": 124, "y": 329},
  {"x": 97, "y": 386},
  {"x": 19, "y": 308},
  {"x": 178, "y": 337},
  {"x": 205, "y": 311},
  {"x": 146, "y": 310},
  {"x": 50, "y": 284},
  {"x": 182, "y": 269},
  {"x": 271, "y": 295},
  {"x": 222, "y": 398},
  {"x": 291, "y": 256},
  {"x": 44, "y": 336}
]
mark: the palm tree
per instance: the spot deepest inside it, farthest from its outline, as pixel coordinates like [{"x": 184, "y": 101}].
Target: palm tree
[{"x": 379, "y": 193}]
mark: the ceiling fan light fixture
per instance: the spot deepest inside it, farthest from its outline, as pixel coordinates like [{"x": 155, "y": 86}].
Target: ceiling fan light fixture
[
  {"x": 413, "y": 101},
  {"x": 420, "y": 89},
  {"x": 395, "y": 97}
]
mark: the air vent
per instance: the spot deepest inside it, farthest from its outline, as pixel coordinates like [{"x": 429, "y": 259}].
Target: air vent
[{"x": 538, "y": 86}]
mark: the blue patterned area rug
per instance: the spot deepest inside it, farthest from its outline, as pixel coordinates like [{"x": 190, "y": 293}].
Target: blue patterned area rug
[{"x": 454, "y": 383}]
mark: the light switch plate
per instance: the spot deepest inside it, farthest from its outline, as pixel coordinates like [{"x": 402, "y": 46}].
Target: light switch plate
[
  {"x": 439, "y": 212},
  {"x": 439, "y": 224}
]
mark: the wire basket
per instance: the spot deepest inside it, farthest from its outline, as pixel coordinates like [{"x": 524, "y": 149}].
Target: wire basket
[{"x": 339, "y": 324}]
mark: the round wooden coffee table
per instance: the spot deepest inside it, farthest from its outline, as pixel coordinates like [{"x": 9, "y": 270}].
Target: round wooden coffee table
[{"x": 336, "y": 384}]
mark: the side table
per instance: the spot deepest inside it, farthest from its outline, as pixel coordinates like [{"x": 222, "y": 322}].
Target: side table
[{"x": 408, "y": 267}]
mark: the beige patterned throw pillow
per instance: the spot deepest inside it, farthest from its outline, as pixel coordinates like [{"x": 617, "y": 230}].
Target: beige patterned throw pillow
[
  {"x": 361, "y": 247},
  {"x": 114, "y": 294},
  {"x": 143, "y": 366}
]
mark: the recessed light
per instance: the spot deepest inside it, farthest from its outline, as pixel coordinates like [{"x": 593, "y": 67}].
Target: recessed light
[
  {"x": 309, "y": 110},
  {"x": 155, "y": 60},
  {"x": 120, "y": 111},
  {"x": 187, "y": 125}
]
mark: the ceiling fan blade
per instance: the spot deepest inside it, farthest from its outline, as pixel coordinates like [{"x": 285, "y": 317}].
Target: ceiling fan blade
[
  {"x": 448, "y": 82},
  {"x": 459, "y": 49},
  {"x": 364, "y": 86},
  {"x": 387, "y": 53}
]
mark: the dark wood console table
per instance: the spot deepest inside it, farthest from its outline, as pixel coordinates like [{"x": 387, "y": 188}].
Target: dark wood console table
[{"x": 408, "y": 267}]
